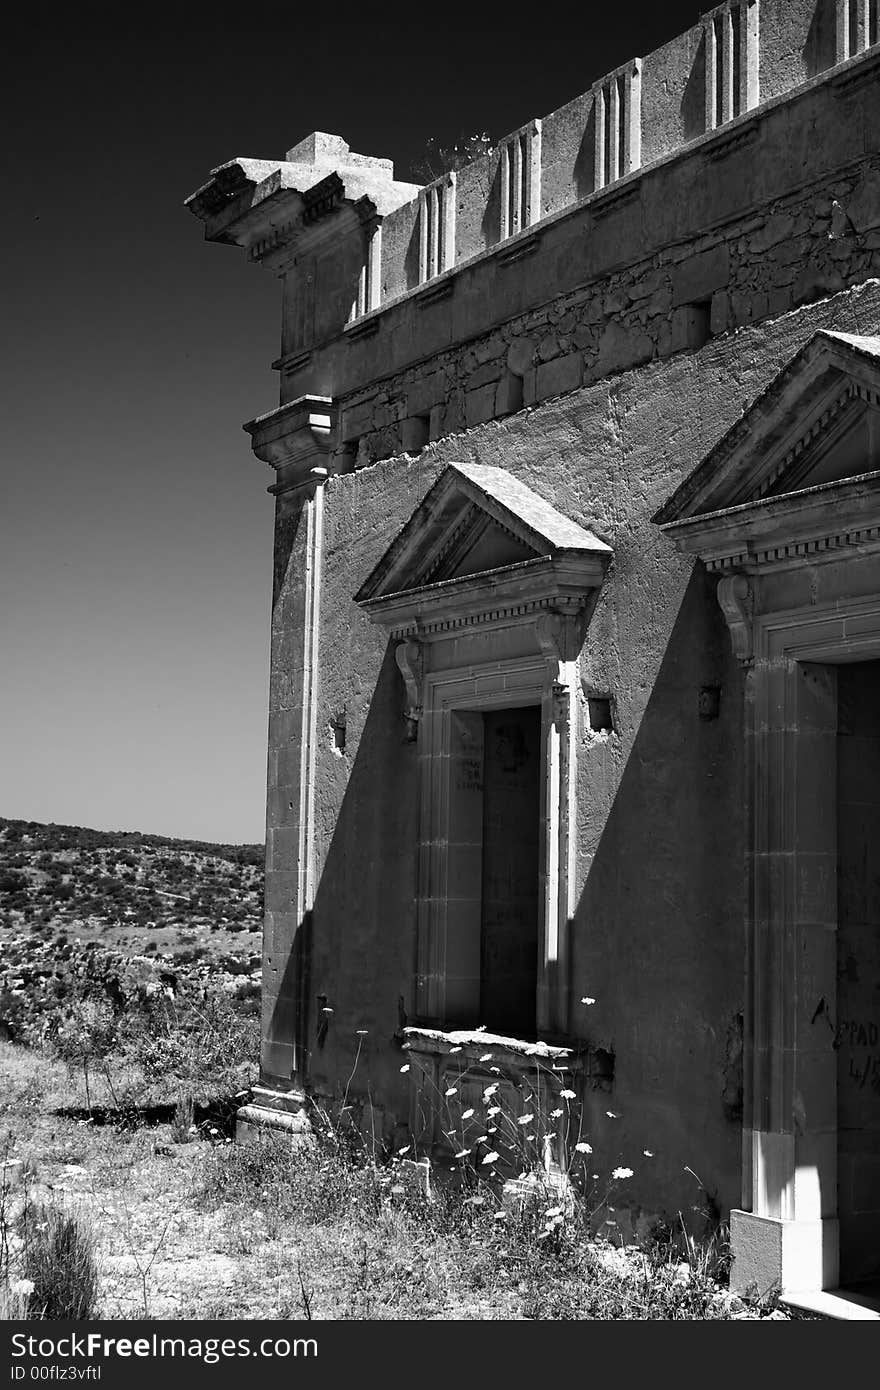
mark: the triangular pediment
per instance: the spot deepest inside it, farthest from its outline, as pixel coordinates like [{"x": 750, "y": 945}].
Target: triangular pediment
[
  {"x": 475, "y": 521},
  {"x": 816, "y": 425}
]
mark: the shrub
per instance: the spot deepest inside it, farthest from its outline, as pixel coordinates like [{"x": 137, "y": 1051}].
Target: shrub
[
  {"x": 197, "y": 1041},
  {"x": 88, "y": 1035},
  {"x": 183, "y": 1124},
  {"x": 58, "y": 1259}
]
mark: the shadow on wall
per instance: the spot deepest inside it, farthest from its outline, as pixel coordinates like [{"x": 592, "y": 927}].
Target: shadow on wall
[
  {"x": 820, "y": 49},
  {"x": 411, "y": 256},
  {"x": 585, "y": 159},
  {"x": 658, "y": 934},
  {"x": 363, "y": 940},
  {"x": 490, "y": 226},
  {"x": 693, "y": 102},
  {"x": 286, "y": 1013}
]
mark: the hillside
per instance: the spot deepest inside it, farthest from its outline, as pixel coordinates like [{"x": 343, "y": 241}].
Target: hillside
[{"x": 134, "y": 892}]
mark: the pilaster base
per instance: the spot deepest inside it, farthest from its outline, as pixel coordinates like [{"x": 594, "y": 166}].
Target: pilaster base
[
  {"x": 282, "y": 1112},
  {"x": 791, "y": 1256}
]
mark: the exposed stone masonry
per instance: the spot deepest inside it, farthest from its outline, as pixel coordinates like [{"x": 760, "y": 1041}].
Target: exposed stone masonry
[{"x": 802, "y": 248}]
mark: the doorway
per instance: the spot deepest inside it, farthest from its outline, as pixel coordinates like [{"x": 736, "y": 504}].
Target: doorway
[
  {"x": 493, "y": 870},
  {"x": 509, "y": 918}
]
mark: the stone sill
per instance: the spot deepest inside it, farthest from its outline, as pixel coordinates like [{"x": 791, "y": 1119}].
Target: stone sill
[
  {"x": 512, "y": 1050},
  {"x": 843, "y": 1305}
]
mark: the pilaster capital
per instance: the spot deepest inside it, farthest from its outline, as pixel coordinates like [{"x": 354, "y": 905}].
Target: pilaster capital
[{"x": 560, "y": 636}]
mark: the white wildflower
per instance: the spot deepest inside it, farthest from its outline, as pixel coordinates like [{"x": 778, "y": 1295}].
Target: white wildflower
[
  {"x": 453, "y": 1090},
  {"x": 405, "y": 1068},
  {"x": 620, "y": 1173},
  {"x": 647, "y": 1153},
  {"x": 525, "y": 1119},
  {"x": 466, "y": 1114},
  {"x": 587, "y": 999},
  {"x": 491, "y": 1157},
  {"x": 613, "y": 1114},
  {"x": 567, "y": 1095},
  {"x": 583, "y": 1147}
]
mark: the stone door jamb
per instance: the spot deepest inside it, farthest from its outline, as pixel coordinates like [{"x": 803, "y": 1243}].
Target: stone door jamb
[
  {"x": 787, "y": 1231},
  {"x": 525, "y": 680}
]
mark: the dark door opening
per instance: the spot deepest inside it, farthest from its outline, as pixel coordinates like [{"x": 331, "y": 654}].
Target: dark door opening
[
  {"x": 858, "y": 970},
  {"x": 510, "y": 865}
]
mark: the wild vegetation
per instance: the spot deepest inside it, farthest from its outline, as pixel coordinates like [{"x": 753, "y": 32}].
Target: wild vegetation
[
  {"x": 122, "y": 1194},
  {"x": 182, "y": 1223},
  {"x": 113, "y": 885}
]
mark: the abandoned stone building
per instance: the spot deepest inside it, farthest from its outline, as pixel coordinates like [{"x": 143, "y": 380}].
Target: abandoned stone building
[{"x": 574, "y": 732}]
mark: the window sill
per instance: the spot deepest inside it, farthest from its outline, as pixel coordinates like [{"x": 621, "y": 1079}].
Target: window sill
[{"x": 440, "y": 1043}]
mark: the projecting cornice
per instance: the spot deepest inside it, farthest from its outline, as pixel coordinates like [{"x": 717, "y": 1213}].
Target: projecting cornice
[
  {"x": 296, "y": 439},
  {"x": 266, "y": 205}
]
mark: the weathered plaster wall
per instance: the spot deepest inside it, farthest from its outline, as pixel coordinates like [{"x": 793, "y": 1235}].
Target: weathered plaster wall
[
  {"x": 658, "y": 937},
  {"x": 797, "y": 43}
]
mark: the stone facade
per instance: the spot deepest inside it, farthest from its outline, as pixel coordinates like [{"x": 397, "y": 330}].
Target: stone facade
[{"x": 576, "y": 524}]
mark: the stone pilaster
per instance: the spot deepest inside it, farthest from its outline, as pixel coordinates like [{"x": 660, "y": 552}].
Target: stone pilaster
[
  {"x": 786, "y": 1234},
  {"x": 297, "y": 441}
]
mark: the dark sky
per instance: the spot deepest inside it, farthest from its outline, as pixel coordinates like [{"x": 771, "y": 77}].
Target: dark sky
[{"x": 135, "y": 530}]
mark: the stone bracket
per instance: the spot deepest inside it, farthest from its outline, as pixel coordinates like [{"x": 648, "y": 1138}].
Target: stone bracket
[
  {"x": 410, "y": 658},
  {"x": 737, "y": 604},
  {"x": 560, "y": 636}
]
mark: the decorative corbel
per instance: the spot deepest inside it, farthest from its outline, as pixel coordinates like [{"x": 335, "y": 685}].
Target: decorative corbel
[
  {"x": 737, "y": 604},
  {"x": 410, "y": 659},
  {"x": 560, "y": 636}
]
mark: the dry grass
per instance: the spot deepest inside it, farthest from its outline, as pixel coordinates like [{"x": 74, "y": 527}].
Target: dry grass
[{"x": 206, "y": 1229}]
